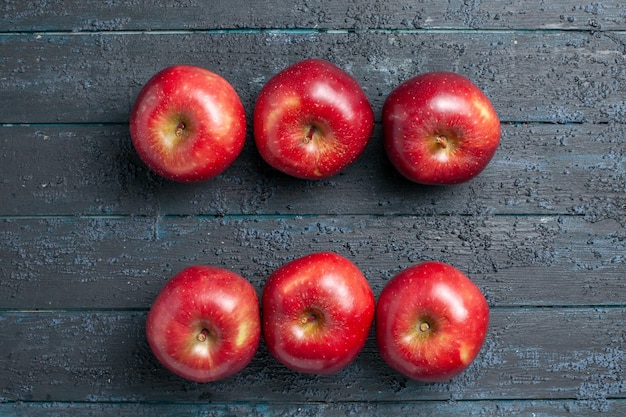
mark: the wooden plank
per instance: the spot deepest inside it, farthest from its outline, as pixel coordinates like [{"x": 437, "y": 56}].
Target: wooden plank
[
  {"x": 501, "y": 408},
  {"x": 93, "y": 170},
  {"x": 530, "y": 76},
  {"x": 96, "y": 356},
  {"x": 123, "y": 262},
  {"x": 78, "y": 15}
]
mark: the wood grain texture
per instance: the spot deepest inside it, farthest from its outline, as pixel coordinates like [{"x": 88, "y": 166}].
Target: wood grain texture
[
  {"x": 123, "y": 262},
  {"x": 78, "y": 15},
  {"x": 93, "y": 170},
  {"x": 530, "y": 76},
  {"x": 103, "y": 356},
  {"x": 502, "y": 408}
]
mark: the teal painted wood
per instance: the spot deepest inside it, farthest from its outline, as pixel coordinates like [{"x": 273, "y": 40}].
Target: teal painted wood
[
  {"x": 536, "y": 353},
  {"x": 510, "y": 408},
  {"x": 539, "y": 169},
  {"x": 76, "y": 15},
  {"x": 121, "y": 263},
  {"x": 531, "y": 76}
]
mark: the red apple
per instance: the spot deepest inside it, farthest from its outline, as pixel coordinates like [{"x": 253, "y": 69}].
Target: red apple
[
  {"x": 205, "y": 324},
  {"x": 188, "y": 124},
  {"x": 439, "y": 129},
  {"x": 317, "y": 313},
  {"x": 431, "y": 321},
  {"x": 312, "y": 119}
]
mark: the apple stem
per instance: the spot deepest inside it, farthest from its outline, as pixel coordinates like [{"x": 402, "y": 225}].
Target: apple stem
[
  {"x": 424, "y": 327},
  {"x": 309, "y": 136},
  {"x": 442, "y": 141},
  {"x": 203, "y": 335},
  {"x": 308, "y": 319},
  {"x": 180, "y": 128}
]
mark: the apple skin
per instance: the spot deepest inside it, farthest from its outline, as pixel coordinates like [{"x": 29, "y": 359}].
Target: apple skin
[
  {"x": 312, "y": 120},
  {"x": 317, "y": 313},
  {"x": 188, "y": 124},
  {"x": 439, "y": 129},
  {"x": 431, "y": 322},
  {"x": 204, "y": 324}
]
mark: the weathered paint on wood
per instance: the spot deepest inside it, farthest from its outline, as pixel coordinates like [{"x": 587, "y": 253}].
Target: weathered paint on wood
[
  {"x": 502, "y": 408},
  {"x": 103, "y": 356},
  {"x": 123, "y": 262},
  {"x": 79, "y": 15},
  {"x": 93, "y": 170},
  {"x": 530, "y": 76}
]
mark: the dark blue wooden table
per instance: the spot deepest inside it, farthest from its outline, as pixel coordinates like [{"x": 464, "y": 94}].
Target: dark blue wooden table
[{"x": 88, "y": 236}]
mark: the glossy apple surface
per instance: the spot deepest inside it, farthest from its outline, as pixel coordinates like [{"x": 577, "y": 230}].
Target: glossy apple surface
[
  {"x": 431, "y": 322},
  {"x": 312, "y": 119},
  {"x": 205, "y": 324},
  {"x": 188, "y": 124},
  {"x": 439, "y": 129},
  {"x": 317, "y": 313}
]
